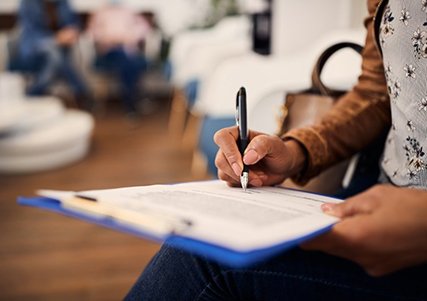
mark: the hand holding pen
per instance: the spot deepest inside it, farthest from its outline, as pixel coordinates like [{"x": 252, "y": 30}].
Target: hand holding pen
[{"x": 249, "y": 158}]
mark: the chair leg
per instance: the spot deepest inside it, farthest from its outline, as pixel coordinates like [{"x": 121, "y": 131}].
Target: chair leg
[{"x": 178, "y": 115}]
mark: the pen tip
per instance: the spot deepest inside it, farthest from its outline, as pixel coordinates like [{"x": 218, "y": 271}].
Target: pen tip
[{"x": 244, "y": 179}]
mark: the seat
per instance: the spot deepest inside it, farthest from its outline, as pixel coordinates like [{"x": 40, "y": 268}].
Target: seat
[
  {"x": 38, "y": 133},
  {"x": 194, "y": 55}
]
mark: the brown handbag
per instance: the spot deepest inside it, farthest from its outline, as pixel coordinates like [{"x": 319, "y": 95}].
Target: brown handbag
[{"x": 308, "y": 107}]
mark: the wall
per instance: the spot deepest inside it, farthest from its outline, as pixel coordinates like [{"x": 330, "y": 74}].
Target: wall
[{"x": 298, "y": 23}]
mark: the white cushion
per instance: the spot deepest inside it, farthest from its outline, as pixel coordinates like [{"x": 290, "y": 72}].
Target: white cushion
[
  {"x": 51, "y": 145},
  {"x": 72, "y": 128},
  {"x": 18, "y": 164},
  {"x": 22, "y": 115},
  {"x": 12, "y": 87}
]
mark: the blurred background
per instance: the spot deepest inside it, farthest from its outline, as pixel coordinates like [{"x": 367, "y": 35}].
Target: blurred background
[{"x": 109, "y": 93}]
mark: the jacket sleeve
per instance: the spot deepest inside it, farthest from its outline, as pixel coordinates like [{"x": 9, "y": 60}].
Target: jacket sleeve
[{"x": 355, "y": 121}]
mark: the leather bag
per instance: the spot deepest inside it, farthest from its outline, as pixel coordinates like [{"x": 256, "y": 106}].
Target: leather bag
[{"x": 308, "y": 107}]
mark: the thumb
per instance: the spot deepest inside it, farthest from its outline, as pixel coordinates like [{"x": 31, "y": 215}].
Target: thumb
[
  {"x": 260, "y": 147},
  {"x": 353, "y": 206}
]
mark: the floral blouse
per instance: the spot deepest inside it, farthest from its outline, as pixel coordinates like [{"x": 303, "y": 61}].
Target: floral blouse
[{"x": 403, "y": 39}]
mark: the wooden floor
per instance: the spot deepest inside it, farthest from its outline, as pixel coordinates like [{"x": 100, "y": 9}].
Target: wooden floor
[{"x": 45, "y": 256}]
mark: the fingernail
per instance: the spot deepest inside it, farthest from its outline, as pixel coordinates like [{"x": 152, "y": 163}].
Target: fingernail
[
  {"x": 237, "y": 169},
  {"x": 250, "y": 157},
  {"x": 328, "y": 207}
]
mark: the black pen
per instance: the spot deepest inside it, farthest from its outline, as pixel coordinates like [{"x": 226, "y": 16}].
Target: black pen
[{"x": 243, "y": 139}]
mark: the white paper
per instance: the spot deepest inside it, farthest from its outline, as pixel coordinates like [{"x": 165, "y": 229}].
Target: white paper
[{"x": 229, "y": 217}]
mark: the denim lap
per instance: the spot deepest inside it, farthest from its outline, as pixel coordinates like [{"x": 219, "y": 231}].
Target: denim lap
[{"x": 295, "y": 275}]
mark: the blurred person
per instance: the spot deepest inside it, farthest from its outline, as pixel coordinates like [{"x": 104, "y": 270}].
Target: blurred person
[
  {"x": 119, "y": 34},
  {"x": 379, "y": 249},
  {"x": 50, "y": 29}
]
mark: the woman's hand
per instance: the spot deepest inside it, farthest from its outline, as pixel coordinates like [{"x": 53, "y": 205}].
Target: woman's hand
[
  {"x": 383, "y": 229},
  {"x": 270, "y": 159}
]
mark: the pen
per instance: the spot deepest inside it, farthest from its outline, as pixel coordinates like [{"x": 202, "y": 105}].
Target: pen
[{"x": 243, "y": 139}]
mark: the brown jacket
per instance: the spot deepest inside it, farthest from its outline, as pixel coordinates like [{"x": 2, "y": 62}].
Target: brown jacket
[{"x": 357, "y": 119}]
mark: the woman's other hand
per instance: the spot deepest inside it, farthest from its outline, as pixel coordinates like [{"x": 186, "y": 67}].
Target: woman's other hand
[{"x": 383, "y": 229}]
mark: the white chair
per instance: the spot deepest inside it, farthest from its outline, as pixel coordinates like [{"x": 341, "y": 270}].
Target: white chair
[
  {"x": 261, "y": 75},
  {"x": 12, "y": 87},
  {"x": 47, "y": 147},
  {"x": 185, "y": 45},
  {"x": 194, "y": 55},
  {"x": 24, "y": 115},
  {"x": 39, "y": 134},
  {"x": 264, "y": 78}
]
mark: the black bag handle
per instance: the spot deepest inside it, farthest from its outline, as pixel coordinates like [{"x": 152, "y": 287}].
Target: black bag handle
[{"x": 316, "y": 82}]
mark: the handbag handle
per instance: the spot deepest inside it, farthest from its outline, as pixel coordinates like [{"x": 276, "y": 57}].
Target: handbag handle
[{"x": 316, "y": 82}]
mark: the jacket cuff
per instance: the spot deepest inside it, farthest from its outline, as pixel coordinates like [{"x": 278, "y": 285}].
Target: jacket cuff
[{"x": 316, "y": 151}]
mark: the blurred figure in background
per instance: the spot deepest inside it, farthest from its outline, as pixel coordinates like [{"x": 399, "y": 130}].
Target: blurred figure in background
[
  {"x": 119, "y": 34},
  {"x": 49, "y": 31}
]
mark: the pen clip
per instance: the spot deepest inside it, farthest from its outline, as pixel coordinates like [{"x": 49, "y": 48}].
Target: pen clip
[{"x": 237, "y": 110}]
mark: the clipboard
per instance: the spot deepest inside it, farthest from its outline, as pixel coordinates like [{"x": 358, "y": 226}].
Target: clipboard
[{"x": 208, "y": 250}]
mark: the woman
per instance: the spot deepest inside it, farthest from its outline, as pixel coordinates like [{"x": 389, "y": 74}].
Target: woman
[
  {"x": 383, "y": 231},
  {"x": 118, "y": 33}
]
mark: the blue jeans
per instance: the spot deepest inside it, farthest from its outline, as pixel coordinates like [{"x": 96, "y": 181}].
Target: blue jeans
[
  {"x": 295, "y": 275},
  {"x": 128, "y": 68},
  {"x": 56, "y": 61}
]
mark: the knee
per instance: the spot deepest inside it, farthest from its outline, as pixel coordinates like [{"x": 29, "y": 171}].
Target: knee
[
  {"x": 52, "y": 55},
  {"x": 169, "y": 257},
  {"x": 170, "y": 273}
]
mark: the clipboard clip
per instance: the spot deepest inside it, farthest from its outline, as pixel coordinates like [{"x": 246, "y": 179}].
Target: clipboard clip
[{"x": 156, "y": 223}]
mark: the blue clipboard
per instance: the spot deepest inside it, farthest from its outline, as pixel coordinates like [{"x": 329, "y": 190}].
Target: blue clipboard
[{"x": 208, "y": 250}]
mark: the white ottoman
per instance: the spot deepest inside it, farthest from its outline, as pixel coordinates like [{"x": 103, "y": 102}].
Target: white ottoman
[
  {"x": 25, "y": 114},
  {"x": 49, "y": 145}
]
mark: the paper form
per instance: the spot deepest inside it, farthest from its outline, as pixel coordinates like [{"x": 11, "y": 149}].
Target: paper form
[{"x": 229, "y": 217}]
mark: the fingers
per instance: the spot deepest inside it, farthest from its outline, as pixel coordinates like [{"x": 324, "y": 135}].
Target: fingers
[
  {"x": 260, "y": 147},
  {"x": 270, "y": 160},
  {"x": 226, "y": 140},
  {"x": 226, "y": 173},
  {"x": 346, "y": 239},
  {"x": 229, "y": 180},
  {"x": 348, "y": 208},
  {"x": 363, "y": 203}
]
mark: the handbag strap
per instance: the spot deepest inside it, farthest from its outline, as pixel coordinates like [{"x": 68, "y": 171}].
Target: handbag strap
[{"x": 317, "y": 84}]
